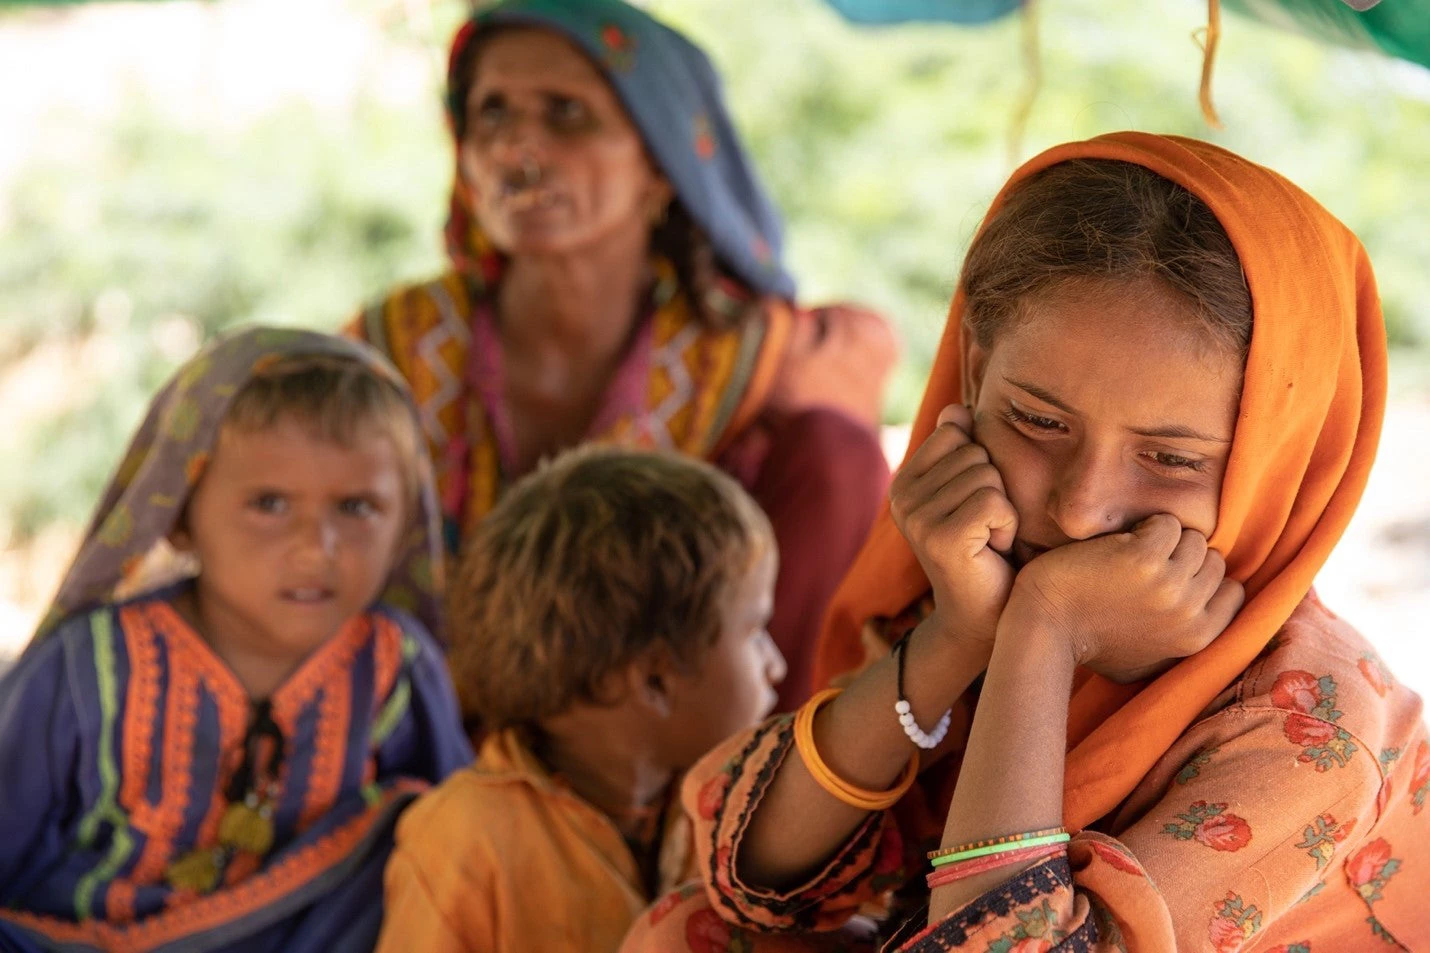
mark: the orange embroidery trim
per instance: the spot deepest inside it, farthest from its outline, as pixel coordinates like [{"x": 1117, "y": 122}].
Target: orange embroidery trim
[
  {"x": 227, "y": 905},
  {"x": 325, "y": 778},
  {"x": 387, "y": 658},
  {"x": 332, "y": 658},
  {"x": 141, "y": 704},
  {"x": 162, "y": 822},
  {"x": 119, "y": 901}
]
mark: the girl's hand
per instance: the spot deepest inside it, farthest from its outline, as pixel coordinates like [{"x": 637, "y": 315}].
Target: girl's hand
[
  {"x": 948, "y": 501},
  {"x": 1127, "y": 604}
]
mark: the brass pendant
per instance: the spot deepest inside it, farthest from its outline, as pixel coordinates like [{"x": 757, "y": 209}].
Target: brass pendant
[
  {"x": 198, "y": 870},
  {"x": 247, "y": 827}
]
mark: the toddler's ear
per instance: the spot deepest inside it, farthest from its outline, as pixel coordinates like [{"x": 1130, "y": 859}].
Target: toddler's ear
[{"x": 652, "y": 682}]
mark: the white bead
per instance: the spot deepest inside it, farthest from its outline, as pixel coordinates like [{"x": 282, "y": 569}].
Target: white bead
[
  {"x": 902, "y": 707},
  {"x": 918, "y": 736}
]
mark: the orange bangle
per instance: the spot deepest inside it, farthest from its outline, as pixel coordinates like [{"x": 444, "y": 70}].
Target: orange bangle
[{"x": 855, "y": 797}]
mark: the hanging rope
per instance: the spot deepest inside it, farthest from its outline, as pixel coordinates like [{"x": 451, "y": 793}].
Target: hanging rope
[
  {"x": 1207, "y": 39},
  {"x": 1032, "y": 82}
]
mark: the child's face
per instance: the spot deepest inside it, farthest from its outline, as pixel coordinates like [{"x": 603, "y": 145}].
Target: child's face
[
  {"x": 1102, "y": 409},
  {"x": 295, "y": 535},
  {"x": 735, "y": 685}
]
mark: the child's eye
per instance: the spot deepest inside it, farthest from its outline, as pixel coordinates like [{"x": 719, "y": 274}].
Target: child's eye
[
  {"x": 1173, "y": 461},
  {"x": 357, "y": 506},
  {"x": 269, "y": 503},
  {"x": 1033, "y": 420}
]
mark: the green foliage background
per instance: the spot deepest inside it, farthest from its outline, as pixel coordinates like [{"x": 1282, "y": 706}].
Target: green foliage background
[{"x": 882, "y": 147}]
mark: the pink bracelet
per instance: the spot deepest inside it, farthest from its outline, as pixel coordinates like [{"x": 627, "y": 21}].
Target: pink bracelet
[{"x": 968, "y": 868}]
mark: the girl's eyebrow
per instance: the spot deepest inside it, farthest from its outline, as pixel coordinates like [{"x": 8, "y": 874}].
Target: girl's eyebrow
[
  {"x": 1166, "y": 431},
  {"x": 1044, "y": 396}
]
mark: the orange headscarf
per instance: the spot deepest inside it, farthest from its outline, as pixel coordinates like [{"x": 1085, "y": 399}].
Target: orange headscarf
[{"x": 1306, "y": 434}]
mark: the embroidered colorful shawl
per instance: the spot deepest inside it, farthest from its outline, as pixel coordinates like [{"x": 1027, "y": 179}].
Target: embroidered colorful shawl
[{"x": 682, "y": 386}]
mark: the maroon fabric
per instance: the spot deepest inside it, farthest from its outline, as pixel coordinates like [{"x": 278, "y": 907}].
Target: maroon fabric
[{"x": 821, "y": 477}]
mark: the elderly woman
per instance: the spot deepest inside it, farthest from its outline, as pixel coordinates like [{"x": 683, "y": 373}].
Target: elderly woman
[{"x": 616, "y": 276}]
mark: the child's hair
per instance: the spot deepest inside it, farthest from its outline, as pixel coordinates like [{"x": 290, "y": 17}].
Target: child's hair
[
  {"x": 338, "y": 398},
  {"x": 586, "y": 563},
  {"x": 1101, "y": 219}
]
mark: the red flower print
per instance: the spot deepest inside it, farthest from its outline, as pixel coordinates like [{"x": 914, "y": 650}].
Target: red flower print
[
  {"x": 704, "y": 137},
  {"x": 670, "y": 901},
  {"x": 1115, "y": 858},
  {"x": 722, "y": 866},
  {"x": 1226, "y": 935},
  {"x": 1224, "y": 832},
  {"x": 712, "y": 795},
  {"x": 1211, "y": 825},
  {"x": 1236, "y": 920},
  {"x": 1309, "y": 732},
  {"x": 613, "y": 37},
  {"x": 1374, "y": 672},
  {"x": 1297, "y": 690},
  {"x": 705, "y": 932},
  {"x": 1031, "y": 945},
  {"x": 1366, "y": 865},
  {"x": 1420, "y": 778}
]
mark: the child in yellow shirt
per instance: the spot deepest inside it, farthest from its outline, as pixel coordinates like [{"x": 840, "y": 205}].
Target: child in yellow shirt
[{"x": 608, "y": 628}]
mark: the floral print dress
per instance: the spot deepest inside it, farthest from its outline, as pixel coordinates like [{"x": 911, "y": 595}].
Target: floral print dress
[{"x": 1290, "y": 818}]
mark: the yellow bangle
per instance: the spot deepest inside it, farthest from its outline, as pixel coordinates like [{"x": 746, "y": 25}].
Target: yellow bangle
[{"x": 855, "y": 797}]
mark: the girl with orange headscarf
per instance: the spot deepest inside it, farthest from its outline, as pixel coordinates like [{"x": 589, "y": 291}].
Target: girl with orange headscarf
[{"x": 1088, "y": 608}]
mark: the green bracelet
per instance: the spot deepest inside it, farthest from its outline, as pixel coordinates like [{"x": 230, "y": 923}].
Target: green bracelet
[{"x": 998, "y": 849}]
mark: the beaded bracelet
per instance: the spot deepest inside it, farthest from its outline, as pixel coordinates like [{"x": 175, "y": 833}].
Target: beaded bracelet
[
  {"x": 855, "y": 797},
  {"x": 905, "y": 712},
  {"x": 943, "y": 876},
  {"x": 991, "y": 841},
  {"x": 943, "y": 860}
]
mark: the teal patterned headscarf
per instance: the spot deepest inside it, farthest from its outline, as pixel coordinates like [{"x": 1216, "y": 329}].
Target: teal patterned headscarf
[
  {"x": 166, "y": 458},
  {"x": 673, "y": 95}
]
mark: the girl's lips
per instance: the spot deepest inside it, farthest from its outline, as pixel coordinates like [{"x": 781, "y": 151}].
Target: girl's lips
[{"x": 308, "y": 595}]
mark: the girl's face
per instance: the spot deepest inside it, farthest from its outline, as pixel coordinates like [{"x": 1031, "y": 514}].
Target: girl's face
[
  {"x": 294, "y": 535},
  {"x": 1102, "y": 407},
  {"x": 552, "y": 157}
]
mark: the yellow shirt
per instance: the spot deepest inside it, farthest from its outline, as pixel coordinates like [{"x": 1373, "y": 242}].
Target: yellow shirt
[{"x": 502, "y": 858}]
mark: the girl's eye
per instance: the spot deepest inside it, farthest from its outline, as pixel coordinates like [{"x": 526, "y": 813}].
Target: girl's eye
[
  {"x": 271, "y": 504},
  {"x": 1174, "y": 462},
  {"x": 1033, "y": 420},
  {"x": 357, "y": 506}
]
